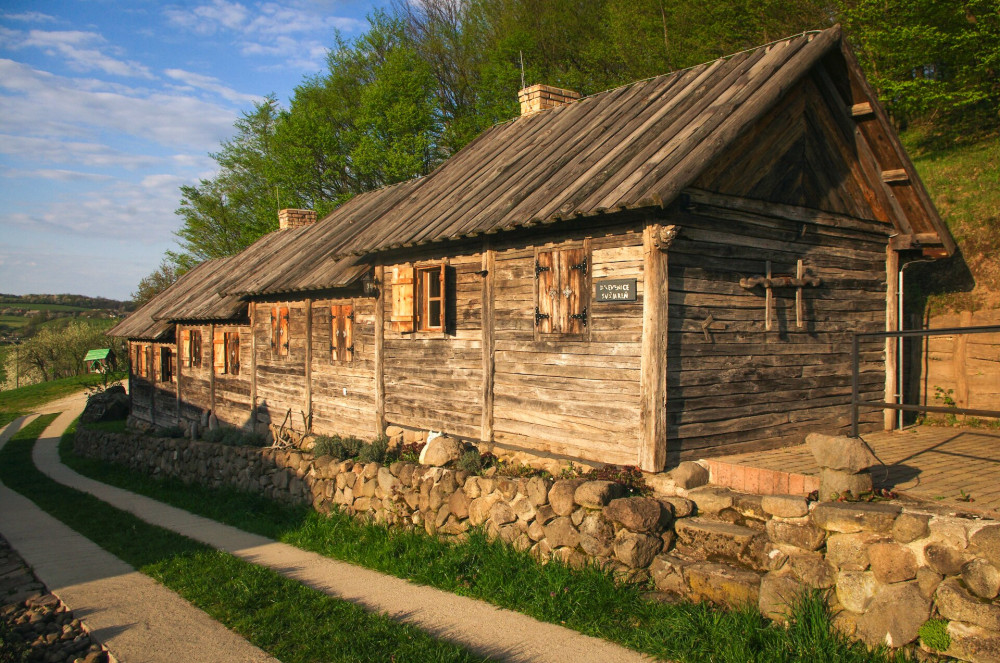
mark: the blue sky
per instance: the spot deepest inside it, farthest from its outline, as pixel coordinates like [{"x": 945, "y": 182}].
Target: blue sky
[{"x": 107, "y": 108}]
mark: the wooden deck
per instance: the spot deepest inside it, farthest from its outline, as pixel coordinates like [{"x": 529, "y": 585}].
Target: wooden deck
[{"x": 925, "y": 462}]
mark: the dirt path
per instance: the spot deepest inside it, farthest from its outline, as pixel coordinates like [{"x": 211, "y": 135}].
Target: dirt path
[
  {"x": 134, "y": 616},
  {"x": 477, "y": 625}
]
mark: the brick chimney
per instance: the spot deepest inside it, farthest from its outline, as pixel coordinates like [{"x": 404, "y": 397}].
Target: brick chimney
[
  {"x": 543, "y": 97},
  {"x": 295, "y": 218}
]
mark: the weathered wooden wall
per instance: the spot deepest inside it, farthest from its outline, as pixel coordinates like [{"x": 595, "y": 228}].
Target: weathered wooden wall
[
  {"x": 195, "y": 382},
  {"x": 343, "y": 392},
  {"x": 232, "y": 392},
  {"x": 281, "y": 392},
  {"x": 154, "y": 401},
  {"x": 572, "y": 395},
  {"x": 742, "y": 387},
  {"x": 967, "y": 366}
]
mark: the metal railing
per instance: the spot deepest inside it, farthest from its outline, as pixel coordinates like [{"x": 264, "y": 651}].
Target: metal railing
[{"x": 857, "y": 404}]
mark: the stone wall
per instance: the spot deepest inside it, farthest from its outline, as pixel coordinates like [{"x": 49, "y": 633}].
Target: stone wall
[{"x": 888, "y": 567}]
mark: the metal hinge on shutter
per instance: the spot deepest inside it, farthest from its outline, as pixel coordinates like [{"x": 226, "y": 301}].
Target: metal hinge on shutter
[
  {"x": 351, "y": 317},
  {"x": 539, "y": 316},
  {"x": 582, "y": 317},
  {"x": 582, "y": 266},
  {"x": 539, "y": 269},
  {"x": 349, "y": 349}
]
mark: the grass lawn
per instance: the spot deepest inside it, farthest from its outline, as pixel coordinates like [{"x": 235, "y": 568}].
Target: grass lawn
[
  {"x": 15, "y": 402},
  {"x": 283, "y": 617},
  {"x": 587, "y": 600}
]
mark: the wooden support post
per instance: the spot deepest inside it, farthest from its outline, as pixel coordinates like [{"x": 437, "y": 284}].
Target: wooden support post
[
  {"x": 768, "y": 299},
  {"x": 309, "y": 354},
  {"x": 253, "y": 365},
  {"x": 177, "y": 377},
  {"x": 380, "y": 351},
  {"x": 959, "y": 359},
  {"x": 800, "y": 274},
  {"x": 891, "y": 344},
  {"x": 653, "y": 363},
  {"x": 211, "y": 368},
  {"x": 489, "y": 361}
]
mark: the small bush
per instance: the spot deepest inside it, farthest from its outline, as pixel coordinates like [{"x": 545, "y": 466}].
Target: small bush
[
  {"x": 342, "y": 448},
  {"x": 170, "y": 431},
  {"x": 470, "y": 462},
  {"x": 374, "y": 452},
  {"x": 234, "y": 437},
  {"x": 934, "y": 634},
  {"x": 628, "y": 476}
]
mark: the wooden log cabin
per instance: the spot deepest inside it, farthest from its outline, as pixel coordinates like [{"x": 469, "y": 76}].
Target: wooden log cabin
[{"x": 671, "y": 269}]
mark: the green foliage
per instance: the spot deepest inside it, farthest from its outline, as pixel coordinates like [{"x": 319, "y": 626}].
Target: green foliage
[
  {"x": 341, "y": 448},
  {"x": 628, "y": 476},
  {"x": 57, "y": 352},
  {"x": 27, "y": 399},
  {"x": 470, "y": 462},
  {"x": 157, "y": 281},
  {"x": 233, "y": 437},
  {"x": 173, "y": 431},
  {"x": 117, "y": 426},
  {"x": 375, "y": 451},
  {"x": 934, "y": 634}
]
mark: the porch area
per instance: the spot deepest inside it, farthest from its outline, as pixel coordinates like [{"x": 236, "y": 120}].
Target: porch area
[{"x": 949, "y": 466}]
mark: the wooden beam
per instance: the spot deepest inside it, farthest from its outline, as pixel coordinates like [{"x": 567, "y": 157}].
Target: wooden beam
[
  {"x": 177, "y": 350},
  {"x": 489, "y": 359},
  {"x": 252, "y": 313},
  {"x": 897, "y": 175},
  {"x": 891, "y": 324},
  {"x": 380, "y": 351},
  {"x": 211, "y": 368},
  {"x": 309, "y": 355},
  {"x": 864, "y": 109},
  {"x": 653, "y": 363}
]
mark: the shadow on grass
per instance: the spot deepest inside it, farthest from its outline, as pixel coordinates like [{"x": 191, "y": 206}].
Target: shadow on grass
[{"x": 587, "y": 600}]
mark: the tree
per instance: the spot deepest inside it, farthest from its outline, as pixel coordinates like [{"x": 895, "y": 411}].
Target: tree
[{"x": 156, "y": 282}]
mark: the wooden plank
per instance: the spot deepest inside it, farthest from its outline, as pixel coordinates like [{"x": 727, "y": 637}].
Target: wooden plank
[
  {"x": 862, "y": 110},
  {"x": 891, "y": 324},
  {"x": 308, "y": 364},
  {"x": 489, "y": 359},
  {"x": 380, "y": 303},
  {"x": 896, "y": 175},
  {"x": 211, "y": 366},
  {"x": 653, "y": 363}
]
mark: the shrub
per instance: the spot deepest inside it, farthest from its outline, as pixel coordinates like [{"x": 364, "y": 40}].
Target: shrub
[
  {"x": 934, "y": 634},
  {"x": 470, "y": 462},
  {"x": 410, "y": 453},
  {"x": 234, "y": 437},
  {"x": 374, "y": 452},
  {"x": 628, "y": 476},
  {"x": 170, "y": 431},
  {"x": 341, "y": 448}
]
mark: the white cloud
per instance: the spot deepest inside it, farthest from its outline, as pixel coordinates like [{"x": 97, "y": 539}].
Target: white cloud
[
  {"x": 210, "y": 84},
  {"x": 207, "y": 19},
  {"x": 82, "y": 51},
  {"x": 43, "y": 104},
  {"x": 58, "y": 174},
  {"x": 29, "y": 17},
  {"x": 93, "y": 155}
]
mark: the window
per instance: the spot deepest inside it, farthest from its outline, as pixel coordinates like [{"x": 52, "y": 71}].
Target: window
[
  {"x": 226, "y": 352},
  {"x": 562, "y": 288},
  {"x": 190, "y": 348},
  {"x": 166, "y": 365},
  {"x": 419, "y": 298},
  {"x": 342, "y": 333},
  {"x": 140, "y": 363},
  {"x": 279, "y": 331}
]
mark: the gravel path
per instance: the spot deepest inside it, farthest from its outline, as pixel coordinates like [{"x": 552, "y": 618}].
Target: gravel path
[{"x": 477, "y": 625}]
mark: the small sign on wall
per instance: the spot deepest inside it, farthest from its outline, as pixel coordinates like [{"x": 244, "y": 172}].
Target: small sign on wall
[{"x": 615, "y": 290}]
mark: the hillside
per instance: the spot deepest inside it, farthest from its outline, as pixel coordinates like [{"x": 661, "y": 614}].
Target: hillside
[{"x": 21, "y": 316}]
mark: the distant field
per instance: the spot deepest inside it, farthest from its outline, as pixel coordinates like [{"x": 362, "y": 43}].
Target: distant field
[
  {"x": 4, "y": 349},
  {"x": 43, "y": 307}
]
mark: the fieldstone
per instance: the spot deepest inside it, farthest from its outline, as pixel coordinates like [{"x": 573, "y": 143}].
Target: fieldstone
[
  {"x": 596, "y": 536},
  {"x": 544, "y": 514},
  {"x": 682, "y": 506},
  {"x": 662, "y": 484},
  {"x": 944, "y": 559},
  {"x": 561, "y": 496},
  {"x": 535, "y": 531},
  {"x": 395, "y": 435},
  {"x": 834, "y": 483},
  {"x": 507, "y": 487},
  {"x": 892, "y": 562},
  {"x": 910, "y": 526},
  {"x": 537, "y": 489},
  {"x": 807, "y": 536},
  {"x": 928, "y": 580},
  {"x": 953, "y": 602},
  {"x": 560, "y": 532},
  {"x": 973, "y": 643},
  {"x": 639, "y": 514},
  {"x": 813, "y": 570},
  {"x": 894, "y": 616},
  {"x": 982, "y": 578},
  {"x": 726, "y": 541},
  {"x": 849, "y": 552},
  {"x": 667, "y": 573},
  {"x": 856, "y": 589},
  {"x": 987, "y": 542},
  {"x": 710, "y": 499},
  {"x": 523, "y": 508},
  {"x": 386, "y": 481},
  {"x": 840, "y": 453},
  {"x": 458, "y": 504},
  {"x": 846, "y": 518},
  {"x": 723, "y": 584},
  {"x": 785, "y": 506},
  {"x": 479, "y": 508},
  {"x": 578, "y": 516},
  {"x": 635, "y": 549},
  {"x": 440, "y": 451},
  {"x": 689, "y": 475},
  {"x": 597, "y": 494},
  {"x": 502, "y": 514},
  {"x": 778, "y": 594}
]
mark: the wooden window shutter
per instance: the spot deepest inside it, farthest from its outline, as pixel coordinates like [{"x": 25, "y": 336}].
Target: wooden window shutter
[
  {"x": 546, "y": 292},
  {"x": 185, "y": 348},
  {"x": 283, "y": 338},
  {"x": 442, "y": 275},
  {"x": 147, "y": 362},
  {"x": 274, "y": 330},
  {"x": 219, "y": 352},
  {"x": 335, "y": 329},
  {"x": 573, "y": 290},
  {"x": 347, "y": 335},
  {"x": 402, "y": 318},
  {"x": 233, "y": 353},
  {"x": 196, "y": 348},
  {"x": 173, "y": 365}
]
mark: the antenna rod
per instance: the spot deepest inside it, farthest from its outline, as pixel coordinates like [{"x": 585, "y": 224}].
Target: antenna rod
[{"x": 520, "y": 54}]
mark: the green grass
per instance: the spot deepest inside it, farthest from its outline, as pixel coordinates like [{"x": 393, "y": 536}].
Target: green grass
[
  {"x": 117, "y": 426},
  {"x": 281, "y": 616},
  {"x": 587, "y": 600},
  {"x": 25, "y": 399}
]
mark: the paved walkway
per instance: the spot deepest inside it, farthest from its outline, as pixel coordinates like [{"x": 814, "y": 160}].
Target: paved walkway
[
  {"x": 135, "y": 617},
  {"x": 477, "y": 625}
]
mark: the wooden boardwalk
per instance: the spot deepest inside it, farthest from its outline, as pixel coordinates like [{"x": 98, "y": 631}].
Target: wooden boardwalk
[{"x": 926, "y": 462}]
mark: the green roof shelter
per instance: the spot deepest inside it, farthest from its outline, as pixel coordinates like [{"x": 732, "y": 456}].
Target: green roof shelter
[{"x": 99, "y": 361}]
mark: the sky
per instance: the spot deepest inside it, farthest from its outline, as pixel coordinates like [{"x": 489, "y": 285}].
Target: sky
[{"x": 108, "y": 107}]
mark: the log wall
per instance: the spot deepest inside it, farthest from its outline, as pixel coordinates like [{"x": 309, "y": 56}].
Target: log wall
[
  {"x": 965, "y": 368},
  {"x": 154, "y": 401},
  {"x": 196, "y": 381},
  {"x": 281, "y": 393}
]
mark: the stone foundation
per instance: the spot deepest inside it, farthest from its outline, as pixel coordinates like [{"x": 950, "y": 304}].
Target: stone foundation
[{"x": 887, "y": 568}]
